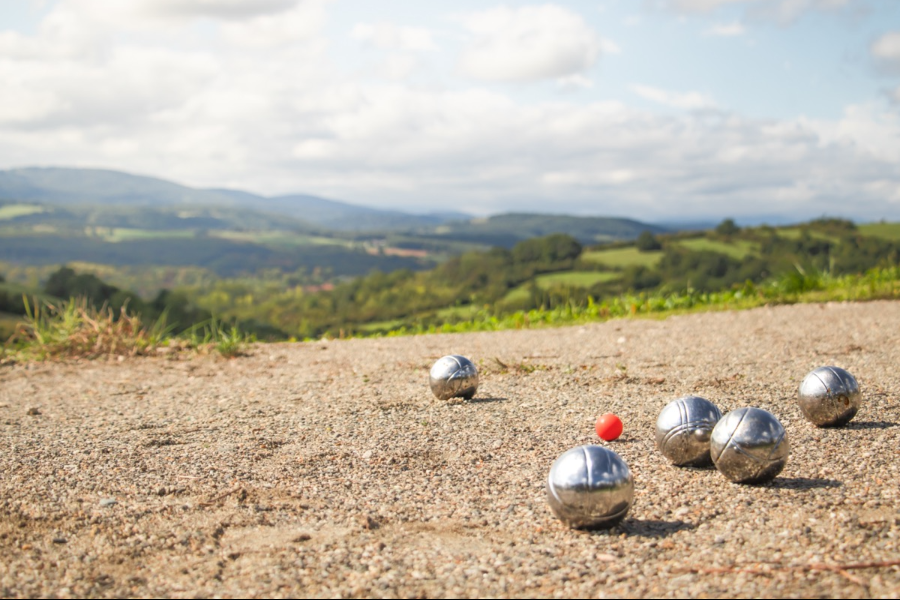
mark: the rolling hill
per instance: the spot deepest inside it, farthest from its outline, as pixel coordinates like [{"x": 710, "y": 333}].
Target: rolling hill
[{"x": 67, "y": 187}]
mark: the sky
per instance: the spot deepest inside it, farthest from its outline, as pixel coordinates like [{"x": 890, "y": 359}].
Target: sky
[{"x": 659, "y": 110}]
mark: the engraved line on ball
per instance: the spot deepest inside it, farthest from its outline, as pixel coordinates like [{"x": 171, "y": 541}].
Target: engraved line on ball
[
  {"x": 682, "y": 427},
  {"x": 822, "y": 381},
  {"x": 776, "y": 447},
  {"x": 734, "y": 432},
  {"x": 762, "y": 462}
]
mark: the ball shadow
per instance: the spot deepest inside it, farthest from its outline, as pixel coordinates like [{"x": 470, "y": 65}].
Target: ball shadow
[
  {"x": 649, "y": 528},
  {"x": 477, "y": 400},
  {"x": 803, "y": 483},
  {"x": 870, "y": 425}
]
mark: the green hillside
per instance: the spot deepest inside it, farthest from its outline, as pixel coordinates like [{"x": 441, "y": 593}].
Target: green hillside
[
  {"x": 551, "y": 272},
  {"x": 232, "y": 241},
  {"x": 508, "y": 229},
  {"x": 618, "y": 258},
  {"x": 885, "y": 231},
  {"x": 548, "y": 275}
]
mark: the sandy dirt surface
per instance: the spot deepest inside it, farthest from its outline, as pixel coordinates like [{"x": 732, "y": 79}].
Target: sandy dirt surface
[{"x": 328, "y": 469}]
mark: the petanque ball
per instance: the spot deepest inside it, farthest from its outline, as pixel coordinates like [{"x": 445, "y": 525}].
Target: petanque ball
[
  {"x": 683, "y": 430},
  {"x": 749, "y": 445},
  {"x": 454, "y": 376},
  {"x": 829, "y": 397},
  {"x": 590, "y": 487}
]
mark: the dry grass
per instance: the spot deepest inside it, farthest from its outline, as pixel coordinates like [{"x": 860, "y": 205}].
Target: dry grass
[{"x": 75, "y": 329}]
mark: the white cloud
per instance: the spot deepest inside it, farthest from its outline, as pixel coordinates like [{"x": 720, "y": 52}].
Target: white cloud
[
  {"x": 682, "y": 100},
  {"x": 725, "y": 30},
  {"x": 886, "y": 51},
  {"x": 389, "y": 36},
  {"x": 217, "y": 9},
  {"x": 299, "y": 24},
  {"x": 22, "y": 105},
  {"x": 869, "y": 130},
  {"x": 614, "y": 177},
  {"x": 528, "y": 44},
  {"x": 74, "y": 29},
  {"x": 609, "y": 47},
  {"x": 780, "y": 11},
  {"x": 887, "y": 46},
  {"x": 697, "y": 6},
  {"x": 788, "y": 11},
  {"x": 485, "y": 153},
  {"x": 574, "y": 82}
]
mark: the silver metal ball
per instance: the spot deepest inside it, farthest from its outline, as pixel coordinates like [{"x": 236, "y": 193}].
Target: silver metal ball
[
  {"x": 749, "y": 445},
  {"x": 454, "y": 376},
  {"x": 590, "y": 487},
  {"x": 683, "y": 430},
  {"x": 829, "y": 397}
]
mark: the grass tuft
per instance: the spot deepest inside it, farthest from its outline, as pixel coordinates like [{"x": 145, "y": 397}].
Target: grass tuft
[
  {"x": 75, "y": 329},
  {"x": 229, "y": 341}
]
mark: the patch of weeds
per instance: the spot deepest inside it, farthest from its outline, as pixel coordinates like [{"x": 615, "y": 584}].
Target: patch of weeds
[
  {"x": 75, "y": 329},
  {"x": 229, "y": 341}
]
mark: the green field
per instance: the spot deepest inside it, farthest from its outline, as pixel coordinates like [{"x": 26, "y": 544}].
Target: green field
[
  {"x": 623, "y": 257},
  {"x": 466, "y": 311},
  {"x": 283, "y": 239},
  {"x": 738, "y": 249},
  {"x": 571, "y": 278},
  {"x": 792, "y": 233},
  {"x": 11, "y": 211},
  {"x": 280, "y": 238},
  {"x": 381, "y": 326},
  {"x": 885, "y": 231},
  {"x": 123, "y": 234},
  {"x": 575, "y": 278}
]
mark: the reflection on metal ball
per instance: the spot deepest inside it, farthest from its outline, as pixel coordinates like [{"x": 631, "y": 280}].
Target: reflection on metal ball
[
  {"x": 749, "y": 445},
  {"x": 590, "y": 487},
  {"x": 829, "y": 397},
  {"x": 683, "y": 430},
  {"x": 454, "y": 376}
]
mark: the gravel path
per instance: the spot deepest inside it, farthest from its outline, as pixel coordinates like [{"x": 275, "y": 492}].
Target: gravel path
[{"x": 329, "y": 469}]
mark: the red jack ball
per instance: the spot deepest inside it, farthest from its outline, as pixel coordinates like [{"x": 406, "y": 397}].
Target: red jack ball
[{"x": 609, "y": 427}]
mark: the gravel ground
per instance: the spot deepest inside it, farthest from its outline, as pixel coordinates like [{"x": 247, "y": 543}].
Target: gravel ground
[{"x": 329, "y": 469}]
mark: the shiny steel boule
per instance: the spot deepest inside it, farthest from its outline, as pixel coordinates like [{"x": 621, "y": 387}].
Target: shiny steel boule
[
  {"x": 749, "y": 445},
  {"x": 829, "y": 397},
  {"x": 590, "y": 487},
  {"x": 683, "y": 430},
  {"x": 454, "y": 376}
]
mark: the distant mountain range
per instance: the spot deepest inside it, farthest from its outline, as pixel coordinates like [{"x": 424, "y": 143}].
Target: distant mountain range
[
  {"x": 122, "y": 194},
  {"x": 66, "y": 187},
  {"x": 52, "y": 215}
]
